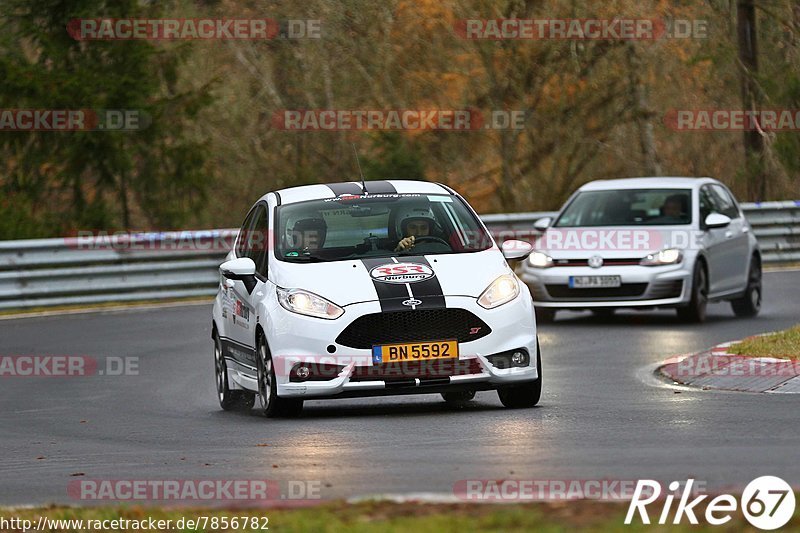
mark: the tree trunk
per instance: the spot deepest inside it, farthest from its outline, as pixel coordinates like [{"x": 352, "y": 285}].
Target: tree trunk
[
  {"x": 642, "y": 114},
  {"x": 748, "y": 63}
]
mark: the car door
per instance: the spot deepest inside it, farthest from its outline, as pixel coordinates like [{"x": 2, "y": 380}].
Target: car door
[
  {"x": 252, "y": 243},
  {"x": 737, "y": 246},
  {"x": 228, "y": 330}
]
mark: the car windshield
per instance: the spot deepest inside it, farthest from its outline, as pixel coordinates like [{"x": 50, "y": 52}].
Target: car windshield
[
  {"x": 355, "y": 227},
  {"x": 628, "y": 207}
]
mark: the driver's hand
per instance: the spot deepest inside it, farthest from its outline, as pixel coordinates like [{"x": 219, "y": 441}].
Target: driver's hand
[{"x": 405, "y": 244}]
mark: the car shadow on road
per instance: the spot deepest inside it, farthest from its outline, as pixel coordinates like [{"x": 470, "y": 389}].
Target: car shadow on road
[
  {"x": 403, "y": 406},
  {"x": 339, "y": 409},
  {"x": 355, "y": 408}
]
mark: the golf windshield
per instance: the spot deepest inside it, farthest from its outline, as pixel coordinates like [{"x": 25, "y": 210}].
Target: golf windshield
[
  {"x": 355, "y": 227},
  {"x": 628, "y": 207}
]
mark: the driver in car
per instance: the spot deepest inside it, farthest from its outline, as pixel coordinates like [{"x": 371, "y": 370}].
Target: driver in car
[
  {"x": 415, "y": 223},
  {"x": 673, "y": 210},
  {"x": 308, "y": 235}
]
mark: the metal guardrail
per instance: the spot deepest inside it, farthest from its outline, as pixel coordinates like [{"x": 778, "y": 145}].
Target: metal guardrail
[
  {"x": 140, "y": 267},
  {"x": 157, "y": 266}
]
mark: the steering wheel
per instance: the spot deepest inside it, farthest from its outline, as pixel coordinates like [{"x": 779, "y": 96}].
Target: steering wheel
[{"x": 430, "y": 238}]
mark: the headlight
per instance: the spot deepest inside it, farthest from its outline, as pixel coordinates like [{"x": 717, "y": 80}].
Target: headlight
[
  {"x": 540, "y": 260},
  {"x": 670, "y": 256},
  {"x": 502, "y": 290},
  {"x": 308, "y": 303}
]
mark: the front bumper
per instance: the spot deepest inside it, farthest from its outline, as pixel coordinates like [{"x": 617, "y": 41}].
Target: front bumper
[
  {"x": 513, "y": 327},
  {"x": 488, "y": 378},
  {"x": 660, "y": 286}
]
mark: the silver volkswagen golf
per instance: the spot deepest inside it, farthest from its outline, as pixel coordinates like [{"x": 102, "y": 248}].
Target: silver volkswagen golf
[{"x": 646, "y": 243}]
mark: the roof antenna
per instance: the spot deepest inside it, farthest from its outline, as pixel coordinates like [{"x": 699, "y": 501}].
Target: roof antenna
[{"x": 363, "y": 183}]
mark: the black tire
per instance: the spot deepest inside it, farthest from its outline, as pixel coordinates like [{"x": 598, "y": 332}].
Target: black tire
[
  {"x": 695, "y": 311},
  {"x": 229, "y": 400},
  {"x": 750, "y": 302},
  {"x": 457, "y": 398},
  {"x": 527, "y": 394},
  {"x": 544, "y": 315},
  {"x": 269, "y": 403}
]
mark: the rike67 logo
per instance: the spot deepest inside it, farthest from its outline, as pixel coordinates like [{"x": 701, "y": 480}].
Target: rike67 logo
[{"x": 767, "y": 502}]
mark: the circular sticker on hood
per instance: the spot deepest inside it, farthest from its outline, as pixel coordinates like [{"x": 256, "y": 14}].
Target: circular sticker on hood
[{"x": 401, "y": 273}]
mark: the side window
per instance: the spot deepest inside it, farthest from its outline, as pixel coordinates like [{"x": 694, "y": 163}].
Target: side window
[
  {"x": 706, "y": 204},
  {"x": 259, "y": 235},
  {"x": 725, "y": 204},
  {"x": 241, "y": 244},
  {"x": 255, "y": 240}
]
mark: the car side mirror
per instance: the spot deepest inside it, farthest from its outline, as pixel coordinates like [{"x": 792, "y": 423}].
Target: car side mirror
[
  {"x": 543, "y": 223},
  {"x": 717, "y": 220},
  {"x": 514, "y": 249},
  {"x": 240, "y": 269}
]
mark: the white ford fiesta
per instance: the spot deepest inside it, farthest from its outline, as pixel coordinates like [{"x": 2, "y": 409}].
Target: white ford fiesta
[{"x": 368, "y": 289}]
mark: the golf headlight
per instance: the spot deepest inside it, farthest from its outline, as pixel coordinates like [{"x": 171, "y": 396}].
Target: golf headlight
[
  {"x": 309, "y": 304},
  {"x": 502, "y": 290},
  {"x": 540, "y": 260},
  {"x": 670, "y": 256}
]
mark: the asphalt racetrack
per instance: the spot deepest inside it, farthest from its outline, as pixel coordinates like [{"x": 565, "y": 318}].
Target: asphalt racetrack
[{"x": 601, "y": 415}]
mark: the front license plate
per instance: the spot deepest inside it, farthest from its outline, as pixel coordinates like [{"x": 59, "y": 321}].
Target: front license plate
[
  {"x": 415, "y": 351},
  {"x": 590, "y": 282}
]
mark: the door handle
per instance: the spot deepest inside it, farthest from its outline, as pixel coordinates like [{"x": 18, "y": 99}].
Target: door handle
[
  {"x": 728, "y": 234},
  {"x": 229, "y": 283}
]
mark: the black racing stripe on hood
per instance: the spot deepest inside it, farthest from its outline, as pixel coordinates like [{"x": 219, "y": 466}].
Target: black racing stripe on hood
[
  {"x": 428, "y": 291},
  {"x": 380, "y": 187},
  {"x": 390, "y": 295},
  {"x": 345, "y": 188}
]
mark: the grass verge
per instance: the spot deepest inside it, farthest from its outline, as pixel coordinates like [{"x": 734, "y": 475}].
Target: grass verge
[
  {"x": 393, "y": 517},
  {"x": 781, "y": 345}
]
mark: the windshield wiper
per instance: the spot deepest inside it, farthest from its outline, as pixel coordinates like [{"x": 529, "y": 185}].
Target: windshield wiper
[{"x": 305, "y": 257}]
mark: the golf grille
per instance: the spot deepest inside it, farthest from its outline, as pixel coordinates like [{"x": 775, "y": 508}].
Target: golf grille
[{"x": 627, "y": 289}]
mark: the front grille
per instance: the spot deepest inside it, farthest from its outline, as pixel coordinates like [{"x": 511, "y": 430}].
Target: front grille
[
  {"x": 570, "y": 262},
  {"x": 412, "y": 326},
  {"x": 606, "y": 262},
  {"x": 625, "y": 290},
  {"x": 416, "y": 369},
  {"x": 618, "y": 262}
]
